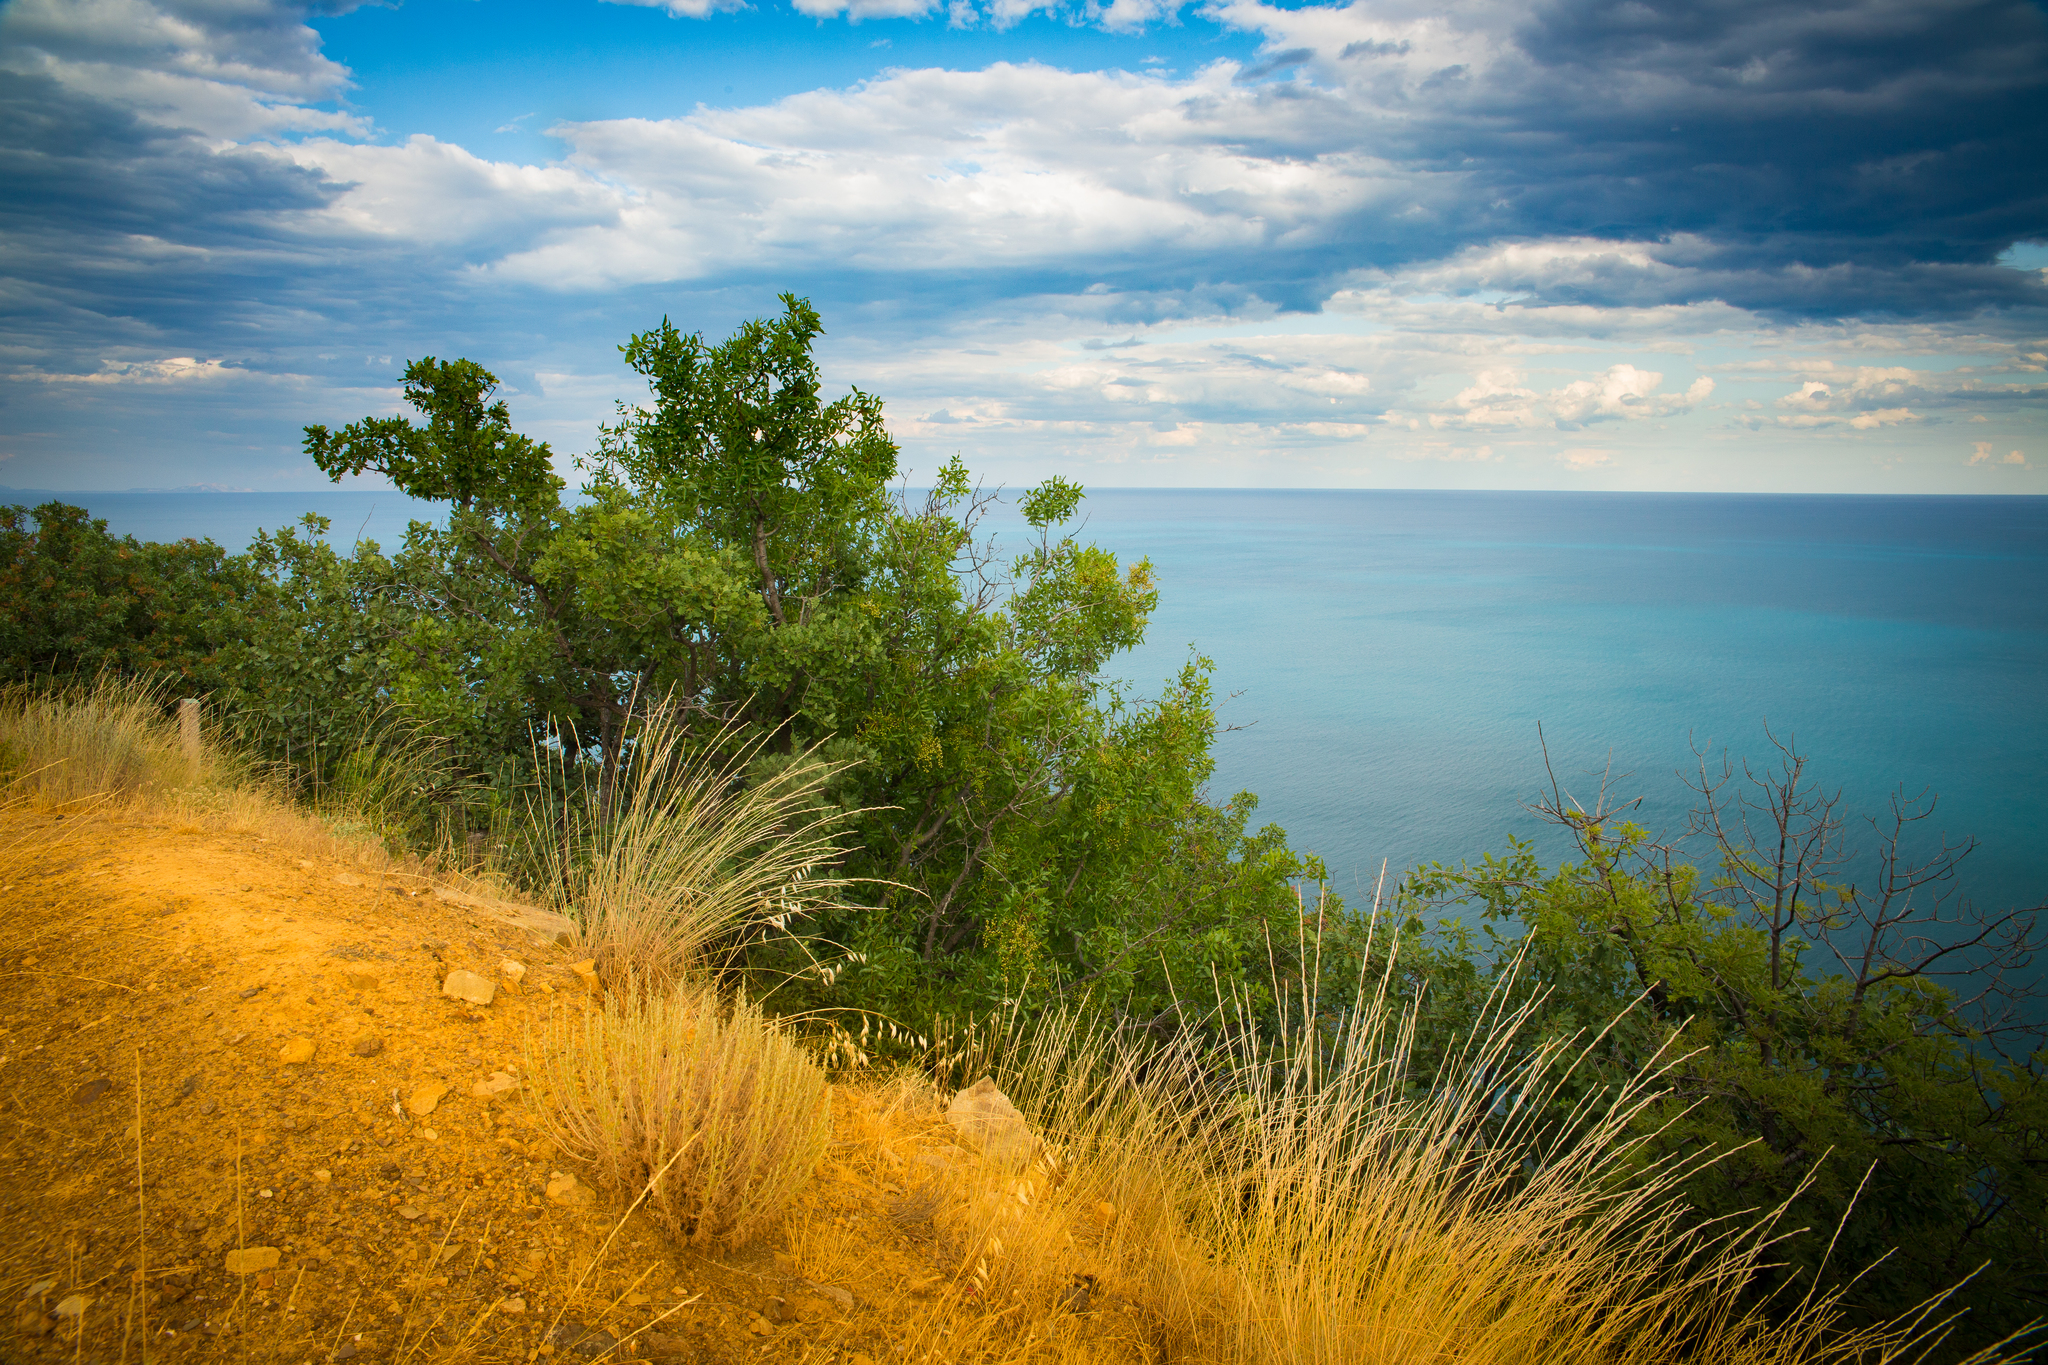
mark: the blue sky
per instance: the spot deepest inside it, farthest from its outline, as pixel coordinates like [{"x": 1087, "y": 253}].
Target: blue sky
[{"x": 1721, "y": 244}]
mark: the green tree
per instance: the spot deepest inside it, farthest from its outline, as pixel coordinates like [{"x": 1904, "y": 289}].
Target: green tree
[
  {"x": 74, "y": 599},
  {"x": 738, "y": 551},
  {"x": 1860, "y": 1050}
]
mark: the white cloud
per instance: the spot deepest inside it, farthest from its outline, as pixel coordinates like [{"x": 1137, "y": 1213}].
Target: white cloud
[
  {"x": 1983, "y": 454},
  {"x": 1501, "y": 399},
  {"x": 180, "y": 369},
  {"x": 688, "y": 9}
]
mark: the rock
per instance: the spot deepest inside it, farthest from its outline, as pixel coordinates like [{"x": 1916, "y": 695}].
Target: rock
[
  {"x": 250, "y": 1260},
  {"x": 297, "y": 1052},
  {"x": 346, "y": 1351},
  {"x": 207, "y": 1107},
  {"x": 467, "y": 985},
  {"x": 92, "y": 1090},
  {"x": 359, "y": 980},
  {"x": 266, "y": 1280},
  {"x": 498, "y": 1083},
  {"x": 986, "y": 1121},
  {"x": 348, "y": 879},
  {"x": 586, "y": 972},
  {"x": 567, "y": 1191},
  {"x": 368, "y": 1047},
  {"x": 512, "y": 1306},
  {"x": 424, "y": 1097},
  {"x": 842, "y": 1297},
  {"x": 33, "y": 1322},
  {"x": 778, "y": 1309},
  {"x": 72, "y": 1306},
  {"x": 515, "y": 972},
  {"x": 323, "y": 1176},
  {"x": 408, "y": 1212}
]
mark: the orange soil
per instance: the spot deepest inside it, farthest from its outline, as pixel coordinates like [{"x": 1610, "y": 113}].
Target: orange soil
[{"x": 153, "y": 975}]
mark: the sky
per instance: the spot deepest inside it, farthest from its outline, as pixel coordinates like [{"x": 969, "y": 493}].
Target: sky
[{"x": 1762, "y": 245}]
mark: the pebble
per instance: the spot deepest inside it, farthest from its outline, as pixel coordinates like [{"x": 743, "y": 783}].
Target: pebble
[
  {"x": 361, "y": 981},
  {"x": 346, "y": 1351},
  {"x": 425, "y": 1097},
  {"x": 495, "y": 1085},
  {"x": 32, "y": 1321},
  {"x": 512, "y": 1306},
  {"x": 842, "y": 1297},
  {"x": 586, "y": 972},
  {"x": 348, "y": 879},
  {"x": 408, "y": 1212},
  {"x": 986, "y": 1121},
  {"x": 208, "y": 1106},
  {"x": 368, "y": 1047},
  {"x": 92, "y": 1090},
  {"x": 467, "y": 985},
  {"x": 565, "y": 1190},
  {"x": 297, "y": 1052},
  {"x": 251, "y": 1260},
  {"x": 72, "y": 1306}
]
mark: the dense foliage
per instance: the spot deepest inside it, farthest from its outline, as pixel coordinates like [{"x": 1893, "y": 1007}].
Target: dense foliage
[{"x": 1022, "y": 830}]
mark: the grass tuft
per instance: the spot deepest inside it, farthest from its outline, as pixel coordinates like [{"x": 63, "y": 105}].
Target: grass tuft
[
  {"x": 690, "y": 855},
  {"x": 108, "y": 739},
  {"x": 709, "y": 1106}
]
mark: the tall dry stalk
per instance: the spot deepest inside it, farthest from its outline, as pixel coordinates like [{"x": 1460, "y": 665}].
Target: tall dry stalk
[{"x": 691, "y": 854}]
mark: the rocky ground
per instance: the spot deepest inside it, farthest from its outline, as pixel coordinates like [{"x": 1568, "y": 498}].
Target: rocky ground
[{"x": 242, "y": 1117}]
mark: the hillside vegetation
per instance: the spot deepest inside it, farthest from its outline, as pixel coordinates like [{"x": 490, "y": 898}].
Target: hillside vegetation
[{"x": 812, "y": 771}]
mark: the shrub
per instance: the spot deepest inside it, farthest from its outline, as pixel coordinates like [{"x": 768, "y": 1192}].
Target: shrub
[{"x": 709, "y": 1105}]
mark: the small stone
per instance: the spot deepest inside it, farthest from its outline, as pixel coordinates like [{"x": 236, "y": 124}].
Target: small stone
[
  {"x": 761, "y": 1327},
  {"x": 208, "y": 1107},
  {"x": 323, "y": 1176},
  {"x": 586, "y": 972},
  {"x": 842, "y": 1297},
  {"x": 467, "y": 985},
  {"x": 986, "y": 1121},
  {"x": 72, "y": 1306},
  {"x": 858, "y": 1359},
  {"x": 361, "y": 981},
  {"x": 1105, "y": 1212},
  {"x": 347, "y": 879},
  {"x": 568, "y": 1192},
  {"x": 346, "y": 1351},
  {"x": 368, "y": 1047},
  {"x": 408, "y": 1212},
  {"x": 515, "y": 972},
  {"x": 424, "y": 1097},
  {"x": 297, "y": 1052},
  {"x": 498, "y": 1083},
  {"x": 512, "y": 1306},
  {"x": 389, "y": 1170},
  {"x": 33, "y": 1322},
  {"x": 251, "y": 1260},
  {"x": 266, "y": 1281},
  {"x": 92, "y": 1090}
]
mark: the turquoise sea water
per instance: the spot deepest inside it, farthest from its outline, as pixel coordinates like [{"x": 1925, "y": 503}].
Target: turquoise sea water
[{"x": 1391, "y": 654}]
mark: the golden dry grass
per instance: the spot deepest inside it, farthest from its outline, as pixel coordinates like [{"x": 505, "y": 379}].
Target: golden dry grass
[
  {"x": 707, "y": 1105},
  {"x": 692, "y": 855}
]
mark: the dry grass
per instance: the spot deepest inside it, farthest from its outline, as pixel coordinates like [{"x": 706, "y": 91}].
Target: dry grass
[
  {"x": 708, "y": 1105},
  {"x": 692, "y": 856},
  {"x": 1279, "y": 1204},
  {"x": 107, "y": 740}
]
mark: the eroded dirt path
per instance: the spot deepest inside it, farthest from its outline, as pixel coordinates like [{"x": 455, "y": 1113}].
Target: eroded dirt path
[{"x": 387, "y": 1197}]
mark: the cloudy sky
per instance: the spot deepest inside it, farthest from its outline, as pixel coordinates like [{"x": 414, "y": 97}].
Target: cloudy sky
[{"x": 1663, "y": 244}]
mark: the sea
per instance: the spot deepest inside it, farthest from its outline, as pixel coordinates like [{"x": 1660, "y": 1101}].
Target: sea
[{"x": 1400, "y": 674}]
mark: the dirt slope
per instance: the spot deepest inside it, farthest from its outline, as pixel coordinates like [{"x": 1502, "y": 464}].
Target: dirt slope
[{"x": 161, "y": 985}]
